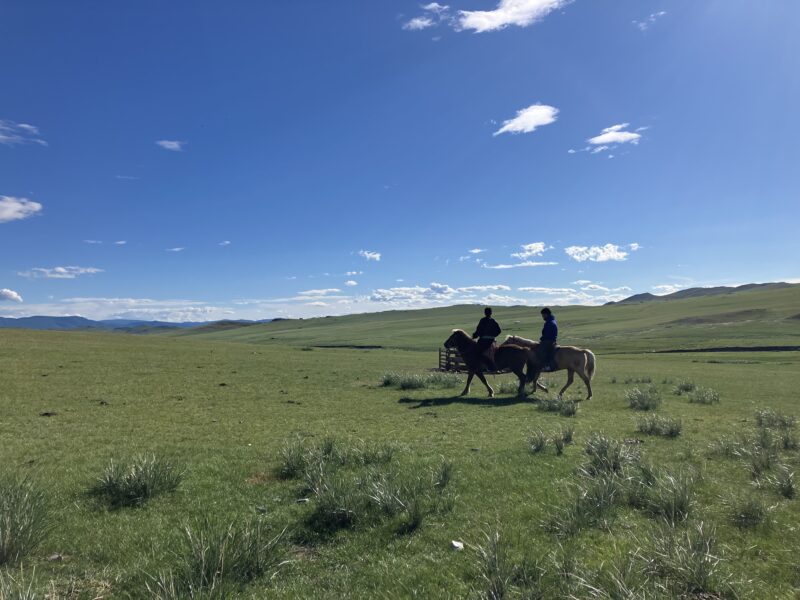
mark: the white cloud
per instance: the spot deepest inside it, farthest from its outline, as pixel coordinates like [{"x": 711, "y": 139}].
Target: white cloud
[
  {"x": 324, "y": 292},
  {"x": 369, "y": 255},
  {"x": 351, "y": 273},
  {"x": 351, "y": 283},
  {"x": 126, "y": 177},
  {"x": 508, "y": 12},
  {"x": 596, "y": 253},
  {"x": 92, "y": 242},
  {"x": 645, "y": 24},
  {"x": 317, "y": 303},
  {"x": 498, "y": 299},
  {"x": 528, "y": 119},
  {"x": 11, "y": 295},
  {"x": 15, "y": 209},
  {"x": 531, "y": 250},
  {"x": 418, "y": 23},
  {"x": 434, "y": 293},
  {"x": 59, "y": 272},
  {"x": 634, "y": 246},
  {"x": 225, "y": 243},
  {"x": 582, "y": 282},
  {"x": 120, "y": 242},
  {"x": 173, "y": 145},
  {"x": 176, "y": 249},
  {"x": 477, "y": 250},
  {"x": 593, "y": 287},
  {"x": 613, "y": 135},
  {"x": 546, "y": 290},
  {"x": 524, "y": 264},
  {"x": 17, "y": 134},
  {"x": 436, "y": 7}
]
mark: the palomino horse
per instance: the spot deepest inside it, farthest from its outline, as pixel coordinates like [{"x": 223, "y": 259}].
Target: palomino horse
[
  {"x": 575, "y": 360},
  {"x": 507, "y": 356}
]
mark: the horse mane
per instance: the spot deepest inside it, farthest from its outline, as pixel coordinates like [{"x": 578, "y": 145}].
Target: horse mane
[{"x": 517, "y": 340}]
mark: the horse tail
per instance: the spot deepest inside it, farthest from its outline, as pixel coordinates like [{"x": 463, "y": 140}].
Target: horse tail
[{"x": 590, "y": 364}]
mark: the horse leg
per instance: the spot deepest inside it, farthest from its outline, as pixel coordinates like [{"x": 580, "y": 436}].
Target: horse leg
[
  {"x": 486, "y": 383},
  {"x": 588, "y": 383},
  {"x": 570, "y": 379},
  {"x": 521, "y": 376},
  {"x": 469, "y": 383}
]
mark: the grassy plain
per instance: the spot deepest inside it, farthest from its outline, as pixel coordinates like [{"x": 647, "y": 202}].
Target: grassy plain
[{"x": 223, "y": 410}]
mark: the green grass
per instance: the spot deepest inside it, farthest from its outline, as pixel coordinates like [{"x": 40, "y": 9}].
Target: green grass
[{"x": 391, "y": 451}]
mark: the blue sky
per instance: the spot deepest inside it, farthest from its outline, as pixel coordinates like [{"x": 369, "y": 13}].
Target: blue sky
[{"x": 197, "y": 160}]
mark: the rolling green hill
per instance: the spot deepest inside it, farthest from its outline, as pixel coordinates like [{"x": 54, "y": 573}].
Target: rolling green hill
[{"x": 761, "y": 316}]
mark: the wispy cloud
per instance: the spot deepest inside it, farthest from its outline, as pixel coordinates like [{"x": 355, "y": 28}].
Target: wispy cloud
[
  {"x": 9, "y": 295},
  {"x": 418, "y": 23},
  {"x": 667, "y": 288},
  {"x": 645, "y": 24},
  {"x": 120, "y": 242},
  {"x": 351, "y": 283},
  {"x": 59, "y": 272},
  {"x": 521, "y": 265},
  {"x": 596, "y": 253},
  {"x": 508, "y": 12},
  {"x": 370, "y": 255},
  {"x": 484, "y": 288},
  {"x": 477, "y": 250},
  {"x": 173, "y": 145},
  {"x": 126, "y": 177},
  {"x": 546, "y": 290},
  {"x": 15, "y": 209},
  {"x": 529, "y": 119},
  {"x": 176, "y": 249},
  {"x": 225, "y": 243},
  {"x": 93, "y": 242},
  {"x": 17, "y": 134},
  {"x": 324, "y": 292}
]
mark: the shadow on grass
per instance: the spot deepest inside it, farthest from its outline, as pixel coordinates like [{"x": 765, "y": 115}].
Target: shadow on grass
[{"x": 485, "y": 401}]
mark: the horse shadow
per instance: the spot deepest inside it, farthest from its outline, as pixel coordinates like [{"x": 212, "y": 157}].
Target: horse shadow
[{"x": 485, "y": 402}]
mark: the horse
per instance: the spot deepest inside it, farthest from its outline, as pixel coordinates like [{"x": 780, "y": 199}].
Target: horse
[
  {"x": 575, "y": 360},
  {"x": 511, "y": 357}
]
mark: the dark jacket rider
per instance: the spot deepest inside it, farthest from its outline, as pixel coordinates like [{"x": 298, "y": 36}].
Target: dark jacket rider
[
  {"x": 547, "y": 343},
  {"x": 486, "y": 332}
]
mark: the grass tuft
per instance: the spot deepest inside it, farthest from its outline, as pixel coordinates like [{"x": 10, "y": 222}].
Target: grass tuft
[
  {"x": 683, "y": 386},
  {"x": 218, "y": 558},
  {"x": 24, "y": 518},
  {"x": 782, "y": 481},
  {"x": 495, "y": 569},
  {"x": 656, "y": 425},
  {"x": 419, "y": 381},
  {"x": 704, "y": 396},
  {"x": 769, "y": 418},
  {"x": 607, "y": 455},
  {"x": 18, "y": 587},
  {"x": 136, "y": 482},
  {"x": 747, "y": 512},
  {"x": 643, "y": 398},
  {"x": 537, "y": 441},
  {"x": 566, "y": 408}
]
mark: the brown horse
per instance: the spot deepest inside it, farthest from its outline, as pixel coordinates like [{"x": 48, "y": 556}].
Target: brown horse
[
  {"x": 507, "y": 357},
  {"x": 575, "y": 360}
]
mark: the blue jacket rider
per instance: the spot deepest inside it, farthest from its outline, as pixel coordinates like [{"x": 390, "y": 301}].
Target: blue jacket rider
[{"x": 547, "y": 343}]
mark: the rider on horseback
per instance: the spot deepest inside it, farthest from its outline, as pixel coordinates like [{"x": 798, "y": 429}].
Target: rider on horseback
[
  {"x": 547, "y": 343},
  {"x": 487, "y": 331}
]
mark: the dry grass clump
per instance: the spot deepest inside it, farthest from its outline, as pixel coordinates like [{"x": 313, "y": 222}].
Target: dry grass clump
[{"x": 24, "y": 518}]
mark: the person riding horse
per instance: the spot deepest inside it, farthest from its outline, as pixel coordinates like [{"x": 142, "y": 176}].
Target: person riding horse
[
  {"x": 547, "y": 343},
  {"x": 486, "y": 332}
]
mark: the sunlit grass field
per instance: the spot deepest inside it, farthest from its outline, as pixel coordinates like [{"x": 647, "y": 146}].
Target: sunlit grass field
[{"x": 225, "y": 414}]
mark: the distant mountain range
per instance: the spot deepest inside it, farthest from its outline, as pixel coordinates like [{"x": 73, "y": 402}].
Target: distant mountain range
[
  {"x": 124, "y": 325},
  {"x": 697, "y": 292}
]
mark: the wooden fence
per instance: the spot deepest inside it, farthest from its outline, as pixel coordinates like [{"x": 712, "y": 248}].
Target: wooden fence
[{"x": 450, "y": 360}]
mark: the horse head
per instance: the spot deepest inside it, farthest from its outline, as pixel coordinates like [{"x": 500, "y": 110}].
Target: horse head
[{"x": 456, "y": 338}]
